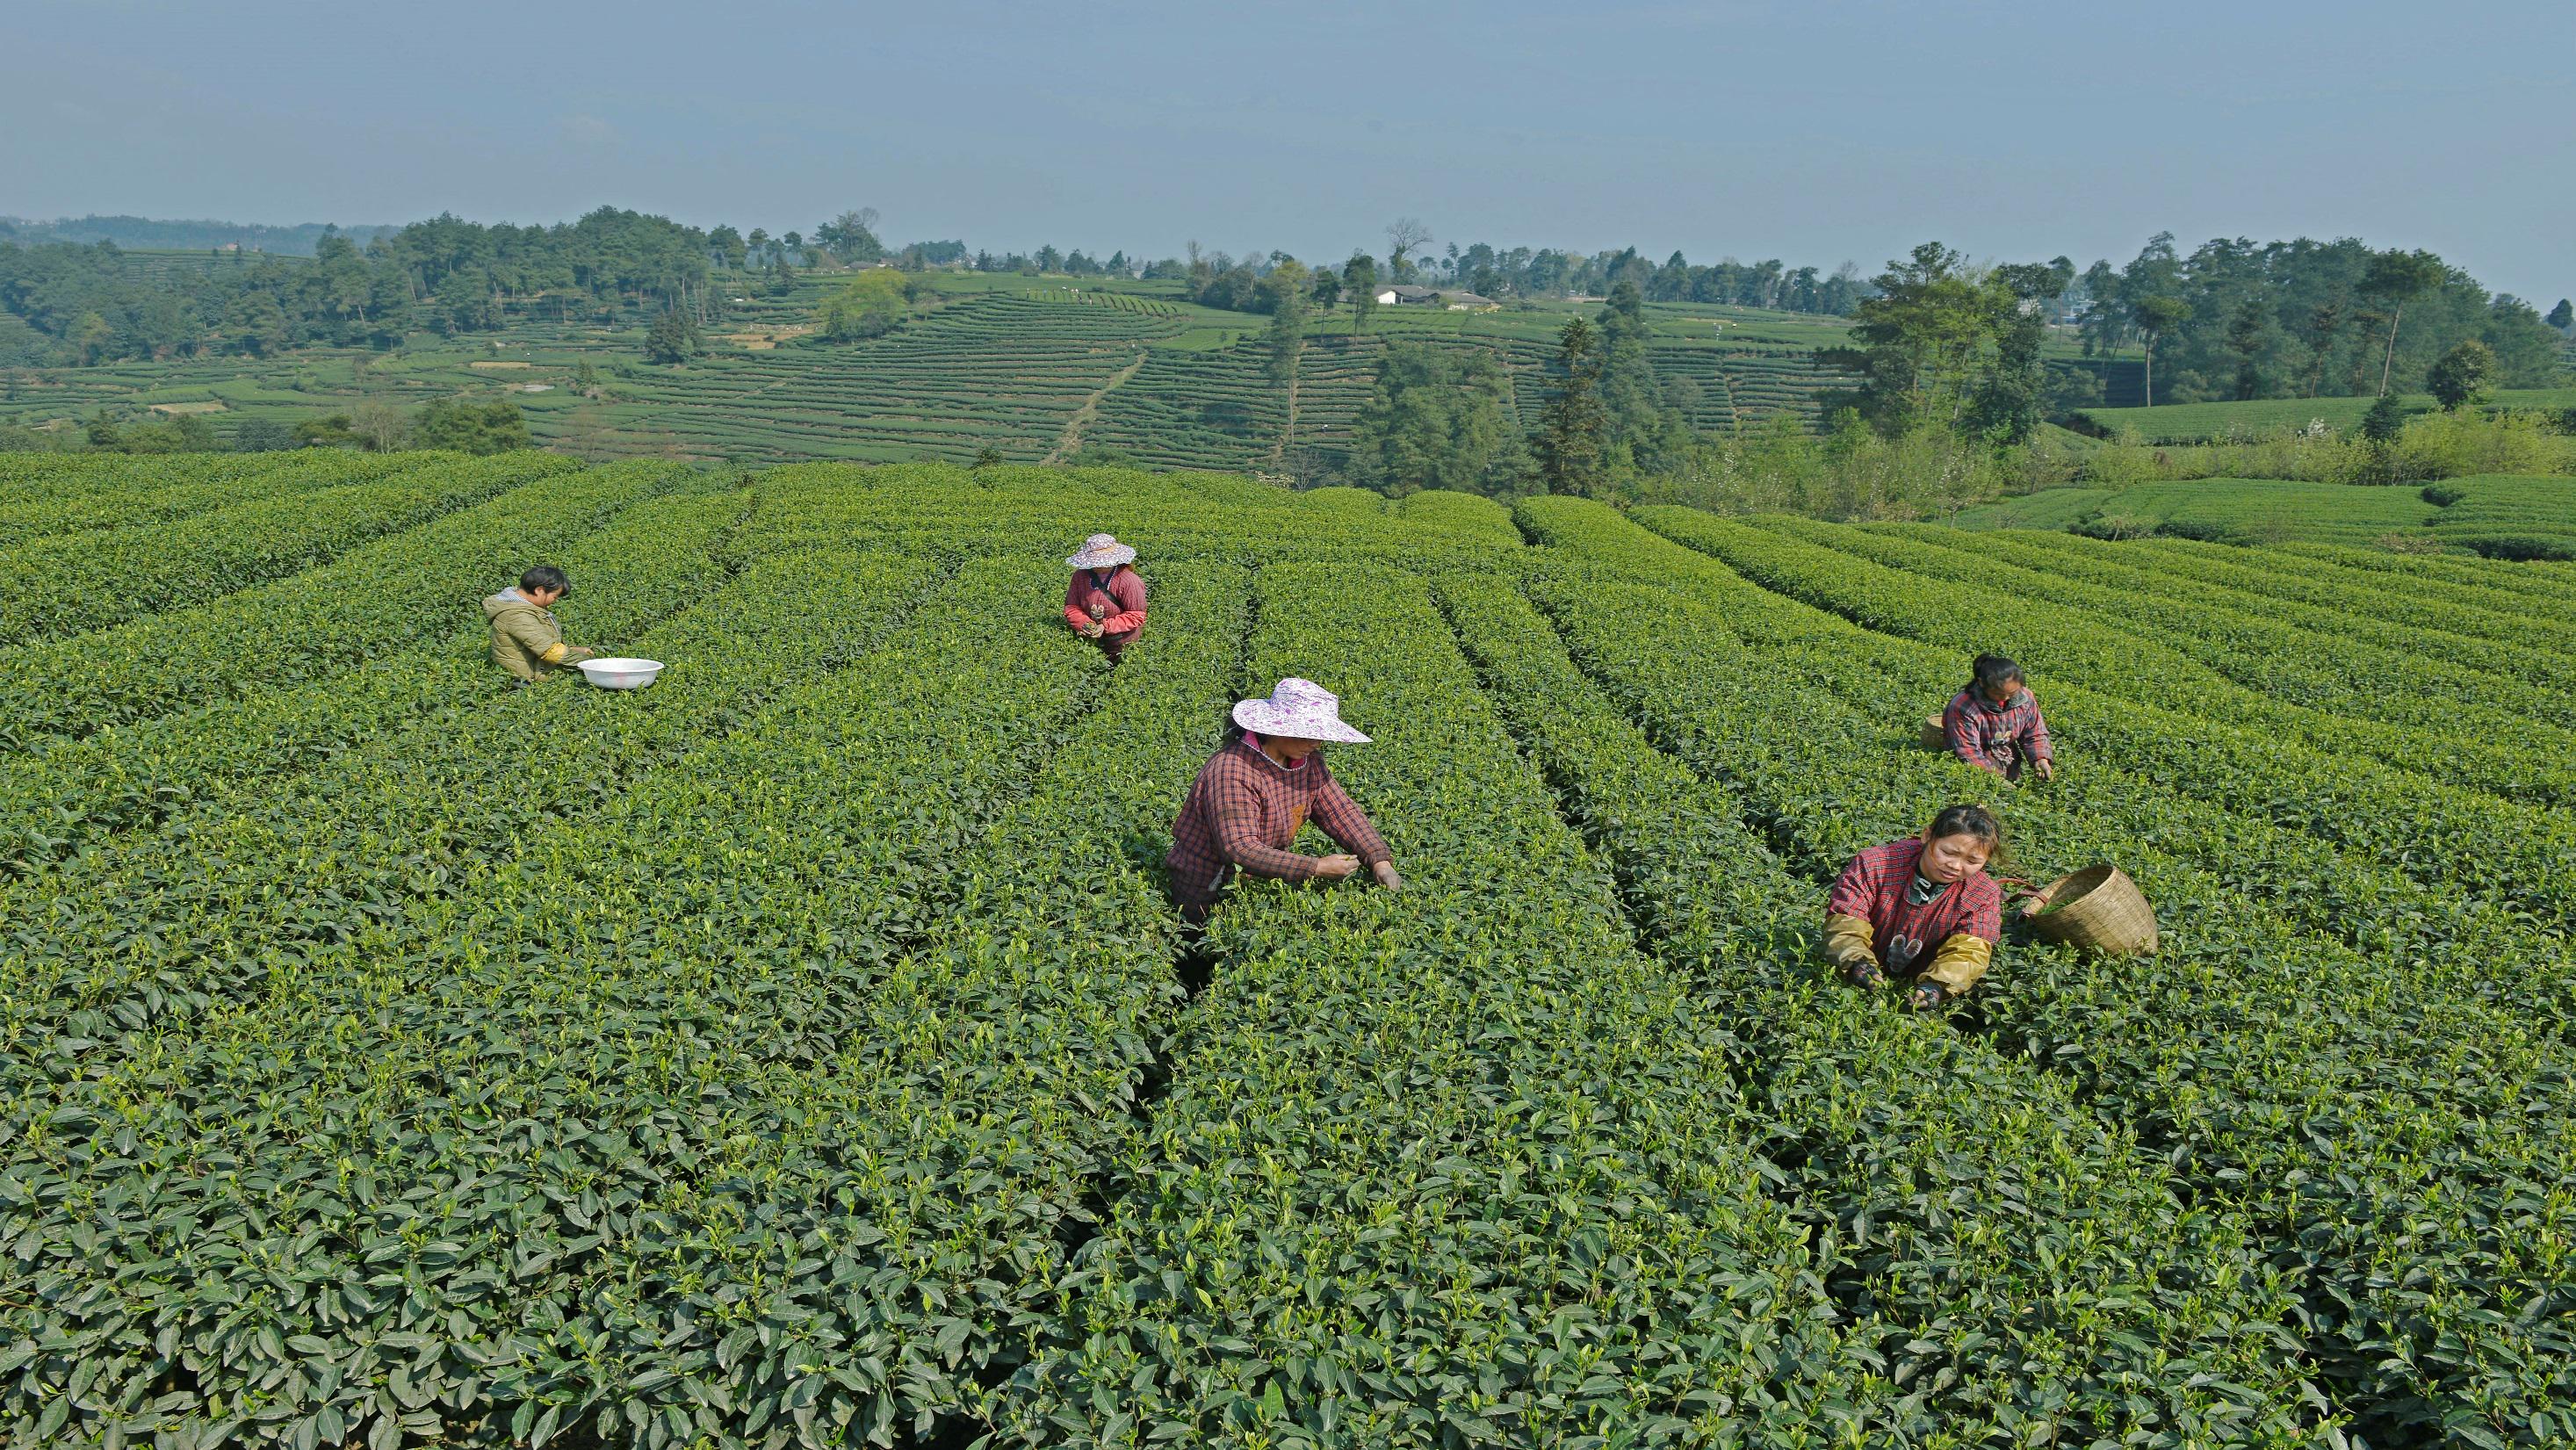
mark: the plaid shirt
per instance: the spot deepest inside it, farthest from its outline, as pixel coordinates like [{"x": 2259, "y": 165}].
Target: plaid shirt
[
  {"x": 1873, "y": 888},
  {"x": 1245, "y": 810},
  {"x": 1122, "y": 603},
  {"x": 1989, "y": 736}
]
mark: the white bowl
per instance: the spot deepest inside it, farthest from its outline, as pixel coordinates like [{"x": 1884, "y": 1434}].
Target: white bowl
[{"x": 620, "y": 674}]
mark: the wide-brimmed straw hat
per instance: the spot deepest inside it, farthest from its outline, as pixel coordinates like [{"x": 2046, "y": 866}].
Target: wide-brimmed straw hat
[
  {"x": 1100, "y": 551},
  {"x": 1298, "y": 710}
]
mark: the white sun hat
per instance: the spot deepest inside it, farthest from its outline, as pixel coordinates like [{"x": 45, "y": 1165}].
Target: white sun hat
[
  {"x": 1298, "y": 710},
  {"x": 1101, "y": 551}
]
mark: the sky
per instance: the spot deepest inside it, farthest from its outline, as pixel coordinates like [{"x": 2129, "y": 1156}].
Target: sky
[{"x": 1816, "y": 131}]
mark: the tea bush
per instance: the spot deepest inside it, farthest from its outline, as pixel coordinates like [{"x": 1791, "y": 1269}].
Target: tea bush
[{"x": 803, "y": 1052}]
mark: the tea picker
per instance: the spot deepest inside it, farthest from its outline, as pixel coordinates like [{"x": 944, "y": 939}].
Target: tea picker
[
  {"x": 526, "y": 641},
  {"x": 1105, "y": 601},
  {"x": 1994, "y": 724},
  {"x": 1254, "y": 795},
  {"x": 1922, "y": 908}
]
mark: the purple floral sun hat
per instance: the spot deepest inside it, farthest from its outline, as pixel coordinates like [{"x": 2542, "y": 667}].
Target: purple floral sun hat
[
  {"x": 1100, "y": 551},
  {"x": 1298, "y": 710}
]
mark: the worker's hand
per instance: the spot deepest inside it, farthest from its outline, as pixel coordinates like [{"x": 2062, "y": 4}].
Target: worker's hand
[
  {"x": 1334, "y": 868},
  {"x": 2047, "y": 769},
  {"x": 1386, "y": 877},
  {"x": 2037, "y": 903},
  {"x": 1093, "y": 630}
]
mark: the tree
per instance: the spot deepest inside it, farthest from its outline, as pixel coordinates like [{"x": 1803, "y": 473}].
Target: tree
[
  {"x": 987, "y": 456},
  {"x": 2393, "y": 279},
  {"x": 1404, "y": 237},
  {"x": 2324, "y": 322},
  {"x": 93, "y": 336},
  {"x": 330, "y": 431},
  {"x": 1651, "y": 433},
  {"x": 1359, "y": 274},
  {"x": 2249, "y": 329},
  {"x": 1285, "y": 341},
  {"x": 727, "y": 246},
  {"x": 1574, "y": 429},
  {"x": 379, "y": 426},
  {"x": 1328, "y": 288},
  {"x": 1435, "y": 420},
  {"x": 2563, "y": 316},
  {"x": 2155, "y": 316},
  {"x": 871, "y": 304},
  {"x": 673, "y": 338},
  {"x": 1927, "y": 336},
  {"x": 2009, "y": 402},
  {"x": 467, "y": 426},
  {"x": 257, "y": 325},
  {"x": 2461, "y": 375},
  {"x": 2385, "y": 420}
]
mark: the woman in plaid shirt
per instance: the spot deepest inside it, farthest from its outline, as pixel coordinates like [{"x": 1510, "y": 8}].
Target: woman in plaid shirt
[
  {"x": 1254, "y": 796},
  {"x": 1922, "y": 907},
  {"x": 1995, "y": 724}
]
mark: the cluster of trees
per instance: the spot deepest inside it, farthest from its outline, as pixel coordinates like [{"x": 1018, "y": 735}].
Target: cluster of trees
[
  {"x": 461, "y": 424},
  {"x": 1943, "y": 344},
  {"x": 444, "y": 275},
  {"x": 1440, "y": 418},
  {"x": 2236, "y": 319},
  {"x": 89, "y": 303},
  {"x": 1948, "y": 385}
]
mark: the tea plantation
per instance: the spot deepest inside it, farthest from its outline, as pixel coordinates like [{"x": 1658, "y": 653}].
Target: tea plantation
[
  {"x": 1037, "y": 370},
  {"x": 803, "y": 1051}
]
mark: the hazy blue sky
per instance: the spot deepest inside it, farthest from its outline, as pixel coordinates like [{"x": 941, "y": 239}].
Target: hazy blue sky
[{"x": 1809, "y": 131}]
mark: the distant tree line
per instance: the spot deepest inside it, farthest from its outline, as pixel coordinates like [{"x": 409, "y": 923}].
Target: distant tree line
[
  {"x": 1220, "y": 279},
  {"x": 463, "y": 424},
  {"x": 189, "y": 236},
  {"x": 443, "y": 275},
  {"x": 1948, "y": 389},
  {"x": 2236, "y": 319}
]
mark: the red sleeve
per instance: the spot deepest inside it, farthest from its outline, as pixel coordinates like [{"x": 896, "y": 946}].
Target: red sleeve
[
  {"x": 1342, "y": 819},
  {"x": 1074, "y": 613},
  {"x": 1985, "y": 919},
  {"x": 1955, "y": 729},
  {"x": 1856, "y": 891},
  {"x": 1234, "y": 810},
  {"x": 1129, "y": 590},
  {"x": 2039, "y": 745}
]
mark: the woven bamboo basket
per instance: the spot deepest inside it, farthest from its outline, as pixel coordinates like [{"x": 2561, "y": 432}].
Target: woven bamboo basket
[
  {"x": 1934, "y": 736},
  {"x": 2101, "y": 909}
]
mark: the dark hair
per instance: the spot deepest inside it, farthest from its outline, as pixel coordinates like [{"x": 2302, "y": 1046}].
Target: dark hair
[
  {"x": 1993, "y": 670},
  {"x": 544, "y": 576},
  {"x": 1973, "y": 821}
]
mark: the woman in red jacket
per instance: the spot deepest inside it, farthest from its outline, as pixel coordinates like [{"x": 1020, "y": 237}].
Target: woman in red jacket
[
  {"x": 1253, "y": 797},
  {"x": 1922, "y": 907},
  {"x": 1105, "y": 602},
  {"x": 1995, "y": 724}
]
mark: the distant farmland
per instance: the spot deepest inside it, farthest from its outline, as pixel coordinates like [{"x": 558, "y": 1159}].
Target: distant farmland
[{"x": 1032, "y": 368}]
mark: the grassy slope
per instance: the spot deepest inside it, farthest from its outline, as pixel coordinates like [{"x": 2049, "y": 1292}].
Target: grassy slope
[
  {"x": 2507, "y": 515},
  {"x": 2196, "y": 422}
]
